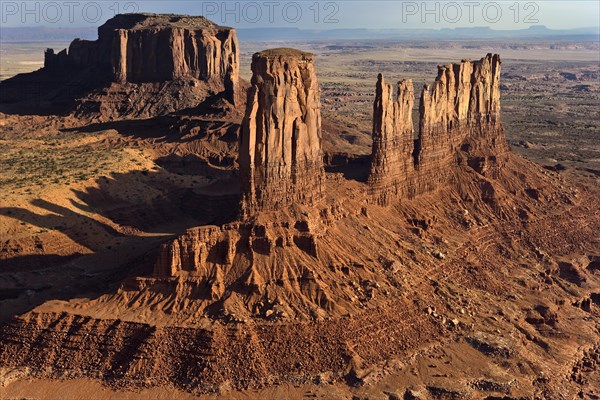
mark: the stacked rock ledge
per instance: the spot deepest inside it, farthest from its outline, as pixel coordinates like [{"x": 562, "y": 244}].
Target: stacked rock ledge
[{"x": 144, "y": 48}]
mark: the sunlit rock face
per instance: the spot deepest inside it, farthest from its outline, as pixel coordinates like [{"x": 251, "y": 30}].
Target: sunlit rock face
[
  {"x": 280, "y": 144},
  {"x": 459, "y": 122}
]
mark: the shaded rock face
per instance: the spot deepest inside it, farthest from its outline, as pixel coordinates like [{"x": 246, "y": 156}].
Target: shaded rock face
[
  {"x": 142, "y": 48},
  {"x": 196, "y": 251},
  {"x": 280, "y": 143},
  {"x": 459, "y": 122}
]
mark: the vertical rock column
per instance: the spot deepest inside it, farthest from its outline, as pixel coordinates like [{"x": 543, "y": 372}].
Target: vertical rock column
[
  {"x": 486, "y": 147},
  {"x": 464, "y": 102},
  {"x": 459, "y": 123},
  {"x": 462, "y": 111},
  {"x": 393, "y": 143},
  {"x": 280, "y": 143}
]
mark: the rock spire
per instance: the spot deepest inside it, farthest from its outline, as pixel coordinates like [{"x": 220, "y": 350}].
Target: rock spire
[{"x": 280, "y": 143}]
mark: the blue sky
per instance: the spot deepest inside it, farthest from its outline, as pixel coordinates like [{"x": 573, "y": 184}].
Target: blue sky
[{"x": 314, "y": 14}]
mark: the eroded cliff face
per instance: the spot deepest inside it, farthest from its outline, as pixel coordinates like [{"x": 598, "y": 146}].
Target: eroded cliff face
[
  {"x": 464, "y": 103},
  {"x": 152, "y": 48},
  {"x": 246, "y": 263},
  {"x": 287, "y": 223},
  {"x": 393, "y": 143},
  {"x": 459, "y": 122},
  {"x": 280, "y": 143},
  {"x": 268, "y": 254}
]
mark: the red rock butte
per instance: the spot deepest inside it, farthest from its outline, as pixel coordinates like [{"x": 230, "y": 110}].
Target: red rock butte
[
  {"x": 285, "y": 215},
  {"x": 280, "y": 141},
  {"x": 157, "y": 48},
  {"x": 141, "y": 66},
  {"x": 462, "y": 111}
]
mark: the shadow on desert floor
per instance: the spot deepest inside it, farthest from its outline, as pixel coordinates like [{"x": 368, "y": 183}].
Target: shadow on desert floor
[{"x": 114, "y": 229}]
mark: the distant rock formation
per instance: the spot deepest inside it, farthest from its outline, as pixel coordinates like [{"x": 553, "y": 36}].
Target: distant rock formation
[
  {"x": 461, "y": 113},
  {"x": 280, "y": 143},
  {"x": 141, "y": 66},
  {"x": 139, "y": 48}
]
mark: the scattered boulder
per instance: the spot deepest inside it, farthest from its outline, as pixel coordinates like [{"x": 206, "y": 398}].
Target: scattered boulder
[
  {"x": 572, "y": 273},
  {"x": 490, "y": 344}
]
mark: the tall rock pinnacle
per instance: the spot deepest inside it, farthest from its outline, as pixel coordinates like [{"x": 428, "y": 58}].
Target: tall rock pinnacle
[
  {"x": 393, "y": 143},
  {"x": 460, "y": 113},
  {"x": 462, "y": 110},
  {"x": 280, "y": 143}
]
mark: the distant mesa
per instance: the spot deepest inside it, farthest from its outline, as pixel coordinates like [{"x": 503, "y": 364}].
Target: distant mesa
[
  {"x": 155, "y": 48},
  {"x": 282, "y": 52},
  {"x": 137, "y": 56}
]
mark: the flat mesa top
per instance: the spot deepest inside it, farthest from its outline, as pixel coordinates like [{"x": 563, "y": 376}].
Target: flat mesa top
[
  {"x": 144, "y": 21},
  {"x": 283, "y": 52}
]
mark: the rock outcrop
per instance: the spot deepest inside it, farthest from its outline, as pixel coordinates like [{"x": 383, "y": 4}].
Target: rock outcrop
[
  {"x": 140, "y": 48},
  {"x": 461, "y": 111},
  {"x": 281, "y": 166},
  {"x": 459, "y": 122},
  {"x": 141, "y": 66},
  {"x": 241, "y": 264},
  {"x": 280, "y": 143},
  {"x": 393, "y": 140}
]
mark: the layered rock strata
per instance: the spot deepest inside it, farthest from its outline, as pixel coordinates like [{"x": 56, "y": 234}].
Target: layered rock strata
[
  {"x": 281, "y": 167},
  {"x": 271, "y": 254},
  {"x": 463, "y": 106},
  {"x": 459, "y": 122},
  {"x": 245, "y": 263},
  {"x": 393, "y": 140},
  {"x": 280, "y": 142},
  {"x": 142, "y": 48}
]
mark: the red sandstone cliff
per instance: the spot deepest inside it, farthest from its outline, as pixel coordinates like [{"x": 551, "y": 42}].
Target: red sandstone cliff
[
  {"x": 141, "y": 66},
  {"x": 141, "y": 48},
  {"x": 375, "y": 277},
  {"x": 280, "y": 143},
  {"x": 393, "y": 144},
  {"x": 464, "y": 102},
  {"x": 459, "y": 122}
]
